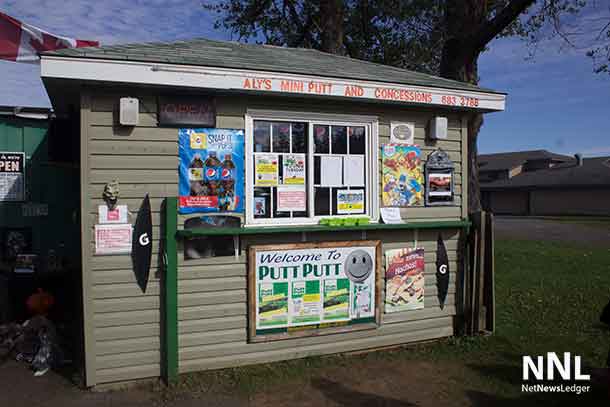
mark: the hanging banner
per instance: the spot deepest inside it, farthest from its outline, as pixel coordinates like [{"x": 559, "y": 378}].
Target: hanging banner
[
  {"x": 313, "y": 285},
  {"x": 293, "y": 169},
  {"x": 403, "y": 179},
  {"x": 265, "y": 170},
  {"x": 350, "y": 201},
  {"x": 12, "y": 177},
  {"x": 405, "y": 280},
  {"x": 211, "y": 170}
]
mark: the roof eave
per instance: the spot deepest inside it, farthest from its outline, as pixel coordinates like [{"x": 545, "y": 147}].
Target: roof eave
[{"x": 195, "y": 76}]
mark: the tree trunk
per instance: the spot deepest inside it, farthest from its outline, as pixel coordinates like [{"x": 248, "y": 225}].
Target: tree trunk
[
  {"x": 459, "y": 61},
  {"x": 331, "y": 21}
]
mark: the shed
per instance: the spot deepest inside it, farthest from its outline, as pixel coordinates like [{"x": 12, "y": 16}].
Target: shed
[{"x": 309, "y": 167}]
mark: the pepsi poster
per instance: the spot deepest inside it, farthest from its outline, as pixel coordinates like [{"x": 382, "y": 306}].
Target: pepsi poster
[{"x": 211, "y": 170}]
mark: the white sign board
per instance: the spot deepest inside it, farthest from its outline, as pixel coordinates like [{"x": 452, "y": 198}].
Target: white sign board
[
  {"x": 317, "y": 284},
  {"x": 113, "y": 239},
  {"x": 116, "y": 215}
]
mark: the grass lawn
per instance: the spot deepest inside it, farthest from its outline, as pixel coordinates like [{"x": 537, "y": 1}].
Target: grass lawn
[{"x": 549, "y": 297}]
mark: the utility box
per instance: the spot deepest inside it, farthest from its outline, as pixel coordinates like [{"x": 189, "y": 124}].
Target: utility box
[
  {"x": 129, "y": 111},
  {"x": 437, "y": 128}
]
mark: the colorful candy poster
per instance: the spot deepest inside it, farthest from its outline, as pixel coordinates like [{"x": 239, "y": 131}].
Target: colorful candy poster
[
  {"x": 211, "y": 170},
  {"x": 265, "y": 170},
  {"x": 405, "y": 280},
  {"x": 403, "y": 179}
]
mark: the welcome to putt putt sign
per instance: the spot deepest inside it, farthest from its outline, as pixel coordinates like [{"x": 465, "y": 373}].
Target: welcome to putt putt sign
[{"x": 312, "y": 288}]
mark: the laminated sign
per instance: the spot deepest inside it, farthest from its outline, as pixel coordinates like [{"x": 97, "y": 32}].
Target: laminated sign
[
  {"x": 405, "y": 280},
  {"x": 12, "y": 177},
  {"x": 211, "y": 170},
  {"x": 313, "y": 285}
]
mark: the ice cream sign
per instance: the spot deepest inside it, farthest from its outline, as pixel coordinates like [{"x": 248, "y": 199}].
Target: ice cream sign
[{"x": 314, "y": 284}]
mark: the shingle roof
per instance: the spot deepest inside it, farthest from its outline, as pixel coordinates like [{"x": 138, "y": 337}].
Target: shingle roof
[
  {"x": 506, "y": 161},
  {"x": 593, "y": 172},
  {"x": 228, "y": 54}
]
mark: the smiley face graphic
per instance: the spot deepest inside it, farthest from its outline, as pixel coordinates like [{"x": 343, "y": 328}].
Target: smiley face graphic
[{"x": 358, "y": 266}]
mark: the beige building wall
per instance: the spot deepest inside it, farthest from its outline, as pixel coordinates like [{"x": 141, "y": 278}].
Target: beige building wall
[
  {"x": 122, "y": 324},
  {"x": 571, "y": 202},
  {"x": 508, "y": 202}
]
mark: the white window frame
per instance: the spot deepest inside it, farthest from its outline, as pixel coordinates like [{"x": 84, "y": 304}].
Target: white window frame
[{"x": 371, "y": 123}]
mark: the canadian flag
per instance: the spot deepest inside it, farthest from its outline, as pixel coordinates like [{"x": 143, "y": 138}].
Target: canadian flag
[{"x": 21, "y": 42}]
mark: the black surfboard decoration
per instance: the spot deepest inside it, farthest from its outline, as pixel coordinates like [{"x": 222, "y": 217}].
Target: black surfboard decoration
[
  {"x": 442, "y": 271},
  {"x": 142, "y": 244}
]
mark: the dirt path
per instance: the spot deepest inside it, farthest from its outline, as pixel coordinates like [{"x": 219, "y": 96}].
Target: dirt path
[
  {"x": 367, "y": 383},
  {"x": 551, "y": 231},
  {"x": 370, "y": 384}
]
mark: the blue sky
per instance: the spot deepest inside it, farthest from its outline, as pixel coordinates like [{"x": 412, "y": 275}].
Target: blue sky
[{"x": 555, "y": 100}]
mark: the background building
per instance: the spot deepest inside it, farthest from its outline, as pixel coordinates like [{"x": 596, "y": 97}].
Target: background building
[{"x": 543, "y": 183}]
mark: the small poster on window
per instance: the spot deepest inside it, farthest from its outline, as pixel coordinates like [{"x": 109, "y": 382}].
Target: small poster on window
[
  {"x": 294, "y": 169},
  {"x": 265, "y": 170},
  {"x": 260, "y": 206},
  {"x": 350, "y": 202},
  {"x": 291, "y": 199}
]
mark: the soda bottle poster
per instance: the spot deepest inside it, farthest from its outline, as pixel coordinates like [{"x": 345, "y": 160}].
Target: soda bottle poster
[
  {"x": 405, "y": 280},
  {"x": 211, "y": 170},
  {"x": 403, "y": 179}
]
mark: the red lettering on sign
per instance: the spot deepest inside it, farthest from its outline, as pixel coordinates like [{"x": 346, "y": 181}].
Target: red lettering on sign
[
  {"x": 292, "y": 86},
  {"x": 354, "y": 90},
  {"x": 403, "y": 95}
]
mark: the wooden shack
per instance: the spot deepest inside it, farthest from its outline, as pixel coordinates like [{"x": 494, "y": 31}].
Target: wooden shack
[{"x": 333, "y": 113}]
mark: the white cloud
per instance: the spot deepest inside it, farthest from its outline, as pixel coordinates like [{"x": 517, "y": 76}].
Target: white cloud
[{"x": 107, "y": 21}]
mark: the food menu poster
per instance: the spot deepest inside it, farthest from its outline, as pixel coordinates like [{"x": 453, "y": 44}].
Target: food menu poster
[
  {"x": 405, "y": 280},
  {"x": 309, "y": 287},
  {"x": 211, "y": 170},
  {"x": 12, "y": 176}
]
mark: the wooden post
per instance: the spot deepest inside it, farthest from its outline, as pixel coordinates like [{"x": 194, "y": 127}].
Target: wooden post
[{"x": 170, "y": 293}]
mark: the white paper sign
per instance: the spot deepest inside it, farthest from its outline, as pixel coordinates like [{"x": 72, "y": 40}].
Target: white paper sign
[
  {"x": 117, "y": 215},
  {"x": 291, "y": 199},
  {"x": 113, "y": 239},
  {"x": 391, "y": 215},
  {"x": 331, "y": 171},
  {"x": 353, "y": 171}
]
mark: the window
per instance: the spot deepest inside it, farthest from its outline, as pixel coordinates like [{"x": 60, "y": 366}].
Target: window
[{"x": 303, "y": 167}]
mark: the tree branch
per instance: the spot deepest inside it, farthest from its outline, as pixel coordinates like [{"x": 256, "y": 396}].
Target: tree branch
[{"x": 503, "y": 19}]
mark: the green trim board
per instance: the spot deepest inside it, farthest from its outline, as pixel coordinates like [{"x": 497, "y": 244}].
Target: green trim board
[
  {"x": 170, "y": 300},
  {"x": 460, "y": 224}
]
